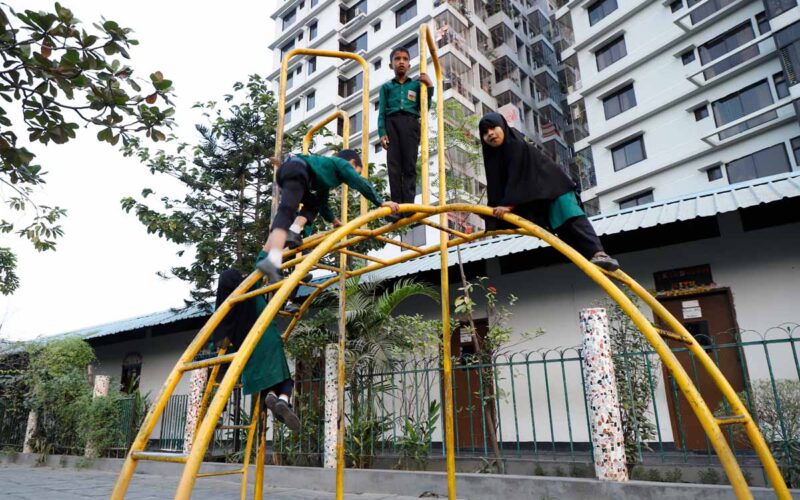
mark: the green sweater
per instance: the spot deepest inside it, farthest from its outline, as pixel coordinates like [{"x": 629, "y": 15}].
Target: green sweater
[
  {"x": 396, "y": 97},
  {"x": 332, "y": 171}
]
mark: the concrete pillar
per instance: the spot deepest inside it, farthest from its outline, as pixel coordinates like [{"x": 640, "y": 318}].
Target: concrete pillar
[
  {"x": 601, "y": 396},
  {"x": 30, "y": 430},
  {"x": 331, "y": 404},
  {"x": 100, "y": 390},
  {"x": 197, "y": 385}
]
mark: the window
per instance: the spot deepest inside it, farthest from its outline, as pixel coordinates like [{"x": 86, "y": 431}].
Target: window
[
  {"x": 788, "y": 42},
  {"x": 377, "y": 148},
  {"x": 636, "y": 200},
  {"x": 412, "y": 47},
  {"x": 287, "y": 114},
  {"x": 312, "y": 64},
  {"x": 356, "y": 45},
  {"x": 676, "y": 5},
  {"x": 742, "y": 103},
  {"x": 781, "y": 88},
  {"x": 405, "y": 13},
  {"x": 708, "y": 8},
  {"x": 601, "y": 9},
  {"x": 621, "y": 100},
  {"x": 314, "y": 3},
  {"x": 769, "y": 161},
  {"x": 376, "y": 64},
  {"x": 312, "y": 30},
  {"x": 289, "y": 18},
  {"x": 701, "y": 112},
  {"x": 348, "y": 14},
  {"x": 796, "y": 149},
  {"x": 727, "y": 42},
  {"x": 286, "y": 48},
  {"x": 687, "y": 57},
  {"x": 763, "y": 23},
  {"x": 131, "y": 372},
  {"x": 611, "y": 53},
  {"x": 778, "y": 7},
  {"x": 351, "y": 86},
  {"x": 290, "y": 80},
  {"x": 376, "y": 105},
  {"x": 355, "y": 123},
  {"x": 714, "y": 173},
  {"x": 311, "y": 101},
  {"x": 628, "y": 153}
]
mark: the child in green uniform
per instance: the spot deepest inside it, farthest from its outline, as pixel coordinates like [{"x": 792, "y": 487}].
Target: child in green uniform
[
  {"x": 398, "y": 125},
  {"x": 308, "y": 179}
]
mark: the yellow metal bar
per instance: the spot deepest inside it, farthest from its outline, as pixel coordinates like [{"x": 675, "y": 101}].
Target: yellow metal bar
[
  {"x": 205, "y": 363},
  {"x": 158, "y": 456},
  {"x": 150, "y": 421},
  {"x": 397, "y": 243},
  {"x": 442, "y": 226},
  {"x": 258, "y": 487},
  {"x": 254, "y": 416},
  {"x": 672, "y": 335},
  {"x": 362, "y": 256},
  {"x": 727, "y": 458},
  {"x": 319, "y": 126},
  {"x": 735, "y": 419},
  {"x": 221, "y": 473},
  {"x": 282, "y": 111},
  {"x": 426, "y": 41}
]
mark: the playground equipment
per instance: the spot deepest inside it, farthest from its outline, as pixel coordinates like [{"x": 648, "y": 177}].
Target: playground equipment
[{"x": 353, "y": 231}]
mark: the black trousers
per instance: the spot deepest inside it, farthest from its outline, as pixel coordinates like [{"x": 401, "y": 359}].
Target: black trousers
[
  {"x": 578, "y": 233},
  {"x": 238, "y": 322},
  {"x": 401, "y": 158},
  {"x": 294, "y": 178}
]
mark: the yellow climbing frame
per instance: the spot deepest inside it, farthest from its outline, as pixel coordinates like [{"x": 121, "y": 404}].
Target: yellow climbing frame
[{"x": 357, "y": 230}]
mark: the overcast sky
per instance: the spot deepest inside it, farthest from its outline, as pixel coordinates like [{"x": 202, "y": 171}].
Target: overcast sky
[{"x": 104, "y": 268}]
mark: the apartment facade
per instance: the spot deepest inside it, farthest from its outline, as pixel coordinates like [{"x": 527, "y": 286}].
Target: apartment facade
[
  {"x": 495, "y": 55},
  {"x": 675, "y": 97}
]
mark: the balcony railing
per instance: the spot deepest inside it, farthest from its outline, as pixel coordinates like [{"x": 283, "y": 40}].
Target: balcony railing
[
  {"x": 753, "y": 122},
  {"x": 714, "y": 70},
  {"x": 698, "y": 19}
]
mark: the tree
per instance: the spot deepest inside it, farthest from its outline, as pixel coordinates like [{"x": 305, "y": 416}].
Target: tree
[
  {"x": 225, "y": 212},
  {"x": 62, "y": 76}
]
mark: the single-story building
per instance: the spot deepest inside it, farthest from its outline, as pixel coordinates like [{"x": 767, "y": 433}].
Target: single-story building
[{"x": 725, "y": 262}]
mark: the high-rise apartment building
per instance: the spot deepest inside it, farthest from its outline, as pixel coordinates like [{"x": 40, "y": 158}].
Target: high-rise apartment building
[
  {"x": 494, "y": 54},
  {"x": 680, "y": 96}
]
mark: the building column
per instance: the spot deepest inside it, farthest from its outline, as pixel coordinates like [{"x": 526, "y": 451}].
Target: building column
[
  {"x": 100, "y": 390},
  {"x": 197, "y": 385},
  {"x": 601, "y": 395},
  {"x": 331, "y": 406}
]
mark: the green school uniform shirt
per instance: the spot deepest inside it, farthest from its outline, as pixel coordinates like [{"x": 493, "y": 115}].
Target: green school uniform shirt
[
  {"x": 396, "y": 97},
  {"x": 332, "y": 171}
]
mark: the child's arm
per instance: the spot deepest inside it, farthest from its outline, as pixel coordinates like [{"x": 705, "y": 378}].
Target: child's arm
[{"x": 381, "y": 113}]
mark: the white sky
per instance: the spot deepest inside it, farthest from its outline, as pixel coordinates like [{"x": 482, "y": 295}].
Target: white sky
[{"x": 104, "y": 268}]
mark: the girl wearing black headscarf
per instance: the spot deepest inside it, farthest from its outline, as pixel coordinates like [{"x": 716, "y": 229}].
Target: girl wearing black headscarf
[{"x": 522, "y": 180}]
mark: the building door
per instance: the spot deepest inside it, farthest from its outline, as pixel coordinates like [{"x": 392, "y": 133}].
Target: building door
[
  {"x": 468, "y": 390},
  {"x": 710, "y": 318}
]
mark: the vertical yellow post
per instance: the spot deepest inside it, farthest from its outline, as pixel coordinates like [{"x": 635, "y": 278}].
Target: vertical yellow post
[
  {"x": 343, "y": 323},
  {"x": 426, "y": 41},
  {"x": 258, "y": 488},
  {"x": 251, "y": 432}
]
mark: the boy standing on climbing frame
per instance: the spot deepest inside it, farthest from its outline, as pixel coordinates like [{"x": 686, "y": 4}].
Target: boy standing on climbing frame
[{"x": 398, "y": 125}]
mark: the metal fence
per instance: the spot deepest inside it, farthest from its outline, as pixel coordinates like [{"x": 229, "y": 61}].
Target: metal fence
[{"x": 538, "y": 402}]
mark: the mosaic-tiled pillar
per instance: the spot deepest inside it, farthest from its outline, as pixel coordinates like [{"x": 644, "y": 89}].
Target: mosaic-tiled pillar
[
  {"x": 331, "y": 407},
  {"x": 100, "y": 390},
  {"x": 601, "y": 395},
  {"x": 197, "y": 384},
  {"x": 30, "y": 430}
]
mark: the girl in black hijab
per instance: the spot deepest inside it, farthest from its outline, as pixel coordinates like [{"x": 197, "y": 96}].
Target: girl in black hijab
[{"x": 522, "y": 180}]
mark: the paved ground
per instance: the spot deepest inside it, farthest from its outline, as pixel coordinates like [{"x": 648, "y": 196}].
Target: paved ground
[{"x": 45, "y": 483}]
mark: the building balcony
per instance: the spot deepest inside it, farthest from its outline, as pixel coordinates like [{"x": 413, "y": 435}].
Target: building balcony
[
  {"x": 743, "y": 57},
  {"x": 705, "y": 13},
  {"x": 775, "y": 8},
  {"x": 765, "y": 118}
]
